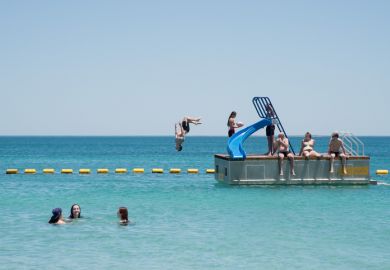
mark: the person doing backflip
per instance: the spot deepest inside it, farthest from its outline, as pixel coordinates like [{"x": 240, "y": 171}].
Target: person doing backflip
[{"x": 183, "y": 128}]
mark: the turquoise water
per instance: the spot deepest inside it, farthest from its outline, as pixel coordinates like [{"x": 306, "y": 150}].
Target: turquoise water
[{"x": 182, "y": 221}]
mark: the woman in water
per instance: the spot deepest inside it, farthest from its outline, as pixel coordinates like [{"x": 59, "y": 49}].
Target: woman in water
[
  {"x": 75, "y": 211},
  {"x": 307, "y": 147},
  {"x": 232, "y": 124},
  {"x": 181, "y": 129},
  {"x": 57, "y": 217},
  {"x": 123, "y": 216}
]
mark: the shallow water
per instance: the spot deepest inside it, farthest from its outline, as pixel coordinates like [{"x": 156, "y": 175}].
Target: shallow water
[{"x": 182, "y": 221}]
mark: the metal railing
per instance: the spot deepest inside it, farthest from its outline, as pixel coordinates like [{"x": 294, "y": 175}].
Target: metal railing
[
  {"x": 265, "y": 109},
  {"x": 353, "y": 145}
]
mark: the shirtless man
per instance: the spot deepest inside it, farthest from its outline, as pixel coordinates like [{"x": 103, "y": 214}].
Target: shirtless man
[
  {"x": 335, "y": 145},
  {"x": 281, "y": 145},
  {"x": 181, "y": 129}
]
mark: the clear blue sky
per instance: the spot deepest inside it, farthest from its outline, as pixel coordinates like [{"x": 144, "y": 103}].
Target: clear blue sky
[{"x": 136, "y": 67}]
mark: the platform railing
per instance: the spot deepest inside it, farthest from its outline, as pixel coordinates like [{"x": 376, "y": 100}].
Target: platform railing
[{"x": 353, "y": 145}]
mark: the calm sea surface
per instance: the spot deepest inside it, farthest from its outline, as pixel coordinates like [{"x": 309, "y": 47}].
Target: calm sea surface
[{"x": 182, "y": 221}]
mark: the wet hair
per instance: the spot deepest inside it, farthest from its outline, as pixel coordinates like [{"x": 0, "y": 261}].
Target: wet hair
[
  {"x": 71, "y": 211},
  {"x": 56, "y": 215},
  {"x": 308, "y": 133},
  {"x": 123, "y": 213},
  {"x": 232, "y": 114}
]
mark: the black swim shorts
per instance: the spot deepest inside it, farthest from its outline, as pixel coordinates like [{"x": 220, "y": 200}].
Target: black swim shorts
[
  {"x": 285, "y": 153},
  {"x": 270, "y": 130},
  {"x": 336, "y": 153},
  {"x": 185, "y": 126}
]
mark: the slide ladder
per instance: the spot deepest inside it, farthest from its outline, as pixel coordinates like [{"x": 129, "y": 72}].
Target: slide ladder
[{"x": 262, "y": 105}]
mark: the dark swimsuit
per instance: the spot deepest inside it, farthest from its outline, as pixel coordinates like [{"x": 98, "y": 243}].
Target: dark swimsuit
[
  {"x": 270, "y": 130},
  {"x": 336, "y": 153},
  {"x": 285, "y": 153},
  {"x": 185, "y": 126},
  {"x": 231, "y": 132}
]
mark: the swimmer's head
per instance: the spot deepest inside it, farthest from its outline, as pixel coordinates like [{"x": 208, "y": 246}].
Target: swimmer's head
[
  {"x": 123, "y": 213},
  {"x": 57, "y": 214},
  {"x": 335, "y": 134},
  {"x": 75, "y": 211}
]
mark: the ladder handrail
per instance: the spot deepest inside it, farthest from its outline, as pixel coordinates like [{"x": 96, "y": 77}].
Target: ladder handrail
[
  {"x": 261, "y": 104},
  {"x": 356, "y": 146}
]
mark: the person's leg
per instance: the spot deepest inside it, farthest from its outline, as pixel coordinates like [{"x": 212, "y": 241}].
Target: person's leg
[
  {"x": 291, "y": 157},
  {"x": 270, "y": 140},
  {"x": 331, "y": 160},
  {"x": 315, "y": 154},
  {"x": 281, "y": 157},
  {"x": 343, "y": 162},
  {"x": 193, "y": 120}
]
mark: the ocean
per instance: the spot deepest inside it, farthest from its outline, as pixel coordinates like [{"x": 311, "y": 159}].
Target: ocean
[{"x": 183, "y": 221}]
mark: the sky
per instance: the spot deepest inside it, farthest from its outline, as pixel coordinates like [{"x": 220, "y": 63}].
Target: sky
[{"x": 137, "y": 67}]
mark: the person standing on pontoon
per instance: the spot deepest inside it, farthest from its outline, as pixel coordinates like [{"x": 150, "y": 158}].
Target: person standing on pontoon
[
  {"x": 232, "y": 124},
  {"x": 335, "y": 145},
  {"x": 281, "y": 146},
  {"x": 183, "y": 128},
  {"x": 270, "y": 130},
  {"x": 307, "y": 147}
]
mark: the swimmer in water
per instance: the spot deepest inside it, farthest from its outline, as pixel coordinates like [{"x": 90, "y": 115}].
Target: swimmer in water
[
  {"x": 57, "y": 217},
  {"x": 123, "y": 216},
  {"x": 75, "y": 211}
]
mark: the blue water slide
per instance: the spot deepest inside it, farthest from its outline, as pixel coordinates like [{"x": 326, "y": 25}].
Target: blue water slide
[{"x": 235, "y": 148}]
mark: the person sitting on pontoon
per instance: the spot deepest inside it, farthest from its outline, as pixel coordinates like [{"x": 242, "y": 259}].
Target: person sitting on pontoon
[
  {"x": 181, "y": 129},
  {"x": 307, "y": 147},
  {"x": 335, "y": 145},
  {"x": 281, "y": 147}
]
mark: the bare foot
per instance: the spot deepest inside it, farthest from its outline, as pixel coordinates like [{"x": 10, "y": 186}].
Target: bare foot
[
  {"x": 293, "y": 173},
  {"x": 281, "y": 173},
  {"x": 331, "y": 171},
  {"x": 345, "y": 171}
]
